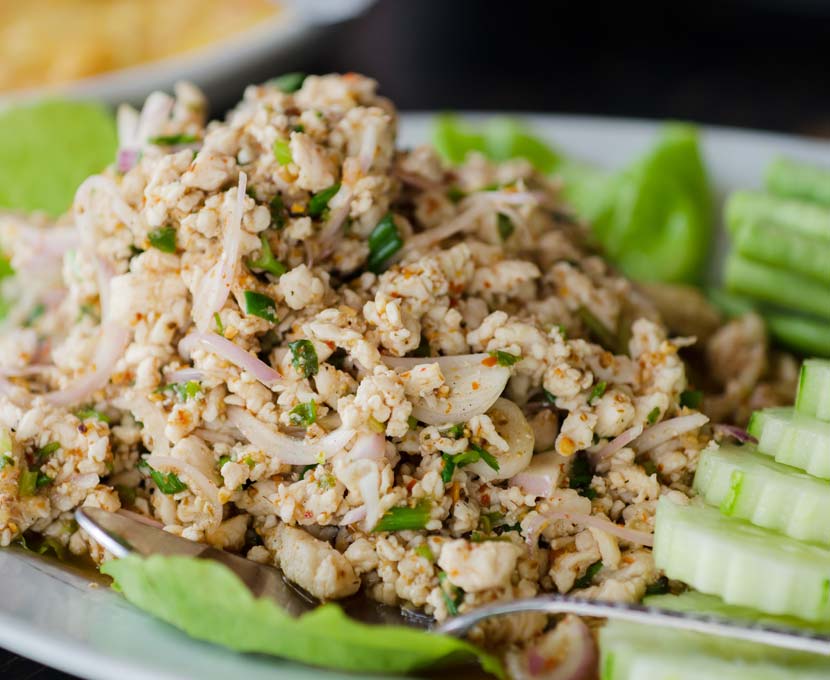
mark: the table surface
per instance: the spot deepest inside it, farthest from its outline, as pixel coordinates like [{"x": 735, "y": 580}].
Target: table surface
[{"x": 746, "y": 64}]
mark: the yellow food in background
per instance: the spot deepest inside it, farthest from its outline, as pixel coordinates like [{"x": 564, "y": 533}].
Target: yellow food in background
[{"x": 45, "y": 42}]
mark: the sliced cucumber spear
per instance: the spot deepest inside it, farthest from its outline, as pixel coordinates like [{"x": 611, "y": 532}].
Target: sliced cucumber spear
[
  {"x": 741, "y": 563},
  {"x": 798, "y": 180},
  {"x": 793, "y": 439},
  {"x": 745, "y": 484},
  {"x": 814, "y": 389},
  {"x": 793, "y": 215}
]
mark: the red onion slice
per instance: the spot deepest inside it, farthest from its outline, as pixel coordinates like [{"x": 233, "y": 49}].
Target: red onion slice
[
  {"x": 287, "y": 449},
  {"x": 668, "y": 429},
  {"x": 542, "y": 476},
  {"x": 568, "y": 652},
  {"x": 736, "y": 432},
  {"x": 215, "y": 286},
  {"x": 619, "y": 442},
  {"x": 110, "y": 349},
  {"x": 232, "y": 353},
  {"x": 184, "y": 375},
  {"x": 461, "y": 222},
  {"x": 630, "y": 535}
]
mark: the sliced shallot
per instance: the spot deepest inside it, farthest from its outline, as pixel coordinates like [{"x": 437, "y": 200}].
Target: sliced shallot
[
  {"x": 568, "y": 652},
  {"x": 513, "y": 427},
  {"x": 199, "y": 484},
  {"x": 233, "y": 353},
  {"x": 630, "y": 535},
  {"x": 619, "y": 442},
  {"x": 668, "y": 429},
  {"x": 357, "y": 514},
  {"x": 542, "y": 476}
]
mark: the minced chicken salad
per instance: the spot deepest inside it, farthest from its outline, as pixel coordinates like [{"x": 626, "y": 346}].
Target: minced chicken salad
[{"x": 284, "y": 337}]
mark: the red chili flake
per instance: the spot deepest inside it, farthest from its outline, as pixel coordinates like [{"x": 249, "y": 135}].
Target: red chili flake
[
  {"x": 475, "y": 385},
  {"x": 489, "y": 361}
]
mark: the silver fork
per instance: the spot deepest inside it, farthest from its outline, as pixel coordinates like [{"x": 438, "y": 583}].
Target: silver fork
[{"x": 122, "y": 535}]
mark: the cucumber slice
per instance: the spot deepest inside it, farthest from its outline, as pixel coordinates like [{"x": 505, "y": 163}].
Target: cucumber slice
[
  {"x": 636, "y": 652},
  {"x": 793, "y": 439},
  {"x": 742, "y": 563},
  {"x": 700, "y": 603},
  {"x": 743, "y": 483},
  {"x": 813, "y": 397}
]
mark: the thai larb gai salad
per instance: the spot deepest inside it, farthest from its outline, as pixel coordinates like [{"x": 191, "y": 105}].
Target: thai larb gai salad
[{"x": 280, "y": 335}]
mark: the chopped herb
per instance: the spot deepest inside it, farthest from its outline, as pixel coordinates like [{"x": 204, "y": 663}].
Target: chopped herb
[
  {"x": 486, "y": 456},
  {"x": 424, "y": 551},
  {"x": 266, "y": 260},
  {"x": 37, "y": 311},
  {"x": 412, "y": 421},
  {"x": 222, "y": 461},
  {"x": 691, "y": 398},
  {"x": 581, "y": 476},
  {"x": 505, "y": 226},
  {"x": 659, "y": 587},
  {"x": 299, "y": 128},
  {"x": 449, "y": 468},
  {"x": 307, "y": 468},
  {"x": 649, "y": 467},
  {"x": 173, "y": 140},
  {"x": 586, "y": 580},
  {"x": 127, "y": 494},
  {"x": 549, "y": 397},
  {"x": 405, "y": 518},
  {"x": 506, "y": 358},
  {"x": 52, "y": 544},
  {"x": 282, "y": 152},
  {"x": 562, "y": 331},
  {"x": 167, "y": 482},
  {"x": 42, "y": 479},
  {"x": 375, "y": 425},
  {"x": 304, "y": 414},
  {"x": 455, "y": 194},
  {"x": 27, "y": 483},
  {"x": 304, "y": 357},
  {"x": 319, "y": 203},
  {"x": 251, "y": 192},
  {"x": 5, "y": 460},
  {"x": 163, "y": 239},
  {"x": 598, "y": 329},
  {"x": 288, "y": 82},
  {"x": 47, "y": 450},
  {"x": 454, "y": 597},
  {"x": 479, "y": 537},
  {"x": 489, "y": 521},
  {"x": 598, "y": 391},
  {"x": 277, "y": 207},
  {"x": 456, "y": 431},
  {"x": 184, "y": 391},
  {"x": 653, "y": 415},
  {"x": 89, "y": 413},
  {"x": 260, "y": 305},
  {"x": 250, "y": 462},
  {"x": 384, "y": 242},
  {"x": 220, "y": 328}
]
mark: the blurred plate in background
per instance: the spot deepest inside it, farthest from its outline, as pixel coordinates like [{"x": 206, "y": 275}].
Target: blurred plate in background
[{"x": 221, "y": 68}]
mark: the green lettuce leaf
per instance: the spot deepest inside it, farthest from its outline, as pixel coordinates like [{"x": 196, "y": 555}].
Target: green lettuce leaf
[
  {"x": 47, "y": 149},
  {"x": 207, "y": 601},
  {"x": 652, "y": 218}
]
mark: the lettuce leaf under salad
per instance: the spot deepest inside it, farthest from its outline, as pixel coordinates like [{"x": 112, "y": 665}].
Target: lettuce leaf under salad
[
  {"x": 653, "y": 218},
  {"x": 207, "y": 601}
]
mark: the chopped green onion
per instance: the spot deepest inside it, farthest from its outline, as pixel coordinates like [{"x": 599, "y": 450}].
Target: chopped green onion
[
  {"x": 167, "y": 482},
  {"x": 474, "y": 454},
  {"x": 456, "y": 431},
  {"x": 164, "y": 239},
  {"x": 42, "y": 479},
  {"x": 691, "y": 398},
  {"x": 304, "y": 414},
  {"x": 581, "y": 475},
  {"x": 127, "y": 494},
  {"x": 653, "y": 415},
  {"x": 424, "y": 551},
  {"x": 304, "y": 357},
  {"x": 549, "y": 397},
  {"x": 506, "y": 358},
  {"x": 486, "y": 456},
  {"x": 185, "y": 391},
  {"x": 266, "y": 260},
  {"x": 598, "y": 329},
  {"x": 27, "y": 483},
  {"x": 586, "y": 580},
  {"x": 307, "y": 468},
  {"x": 455, "y": 194},
  {"x": 222, "y": 461},
  {"x": 288, "y": 82},
  {"x": 282, "y": 152},
  {"x": 405, "y": 518},
  {"x": 319, "y": 203},
  {"x": 505, "y": 226},
  {"x": 277, "y": 207},
  {"x": 384, "y": 242},
  {"x": 173, "y": 140},
  {"x": 47, "y": 450},
  {"x": 659, "y": 587},
  {"x": 5, "y": 460},
  {"x": 250, "y": 462},
  {"x": 412, "y": 421},
  {"x": 37, "y": 311},
  {"x": 89, "y": 413},
  {"x": 220, "y": 328},
  {"x": 375, "y": 425},
  {"x": 451, "y": 601},
  {"x": 598, "y": 391},
  {"x": 260, "y": 305},
  {"x": 449, "y": 468}
]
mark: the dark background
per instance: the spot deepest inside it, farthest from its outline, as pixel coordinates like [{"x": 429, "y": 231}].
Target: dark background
[{"x": 761, "y": 64}]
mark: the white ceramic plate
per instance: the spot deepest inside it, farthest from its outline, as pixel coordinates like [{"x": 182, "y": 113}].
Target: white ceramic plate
[
  {"x": 53, "y": 615},
  {"x": 219, "y": 67}
]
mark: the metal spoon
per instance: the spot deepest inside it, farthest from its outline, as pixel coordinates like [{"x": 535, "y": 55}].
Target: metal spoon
[{"x": 122, "y": 535}]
